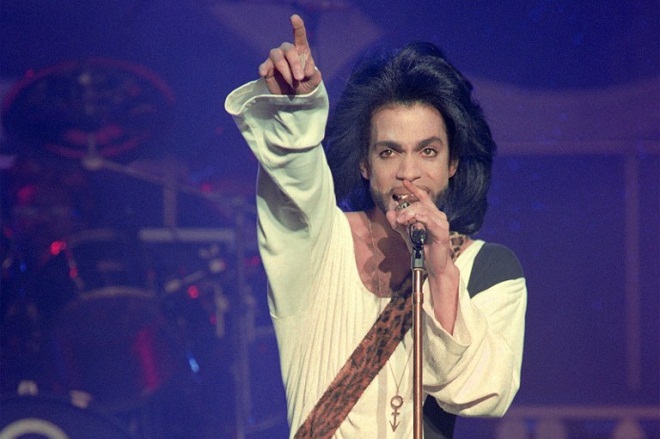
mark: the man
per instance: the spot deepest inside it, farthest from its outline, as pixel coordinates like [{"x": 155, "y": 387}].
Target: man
[{"x": 405, "y": 139}]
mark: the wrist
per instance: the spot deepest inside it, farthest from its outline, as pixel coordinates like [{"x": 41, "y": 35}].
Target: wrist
[{"x": 444, "y": 291}]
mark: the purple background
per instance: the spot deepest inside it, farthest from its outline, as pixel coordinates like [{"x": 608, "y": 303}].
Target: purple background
[{"x": 562, "y": 211}]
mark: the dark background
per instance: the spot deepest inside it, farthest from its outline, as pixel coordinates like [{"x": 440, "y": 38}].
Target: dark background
[{"x": 571, "y": 89}]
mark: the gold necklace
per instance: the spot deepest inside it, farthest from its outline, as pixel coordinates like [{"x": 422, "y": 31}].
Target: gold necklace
[{"x": 396, "y": 402}]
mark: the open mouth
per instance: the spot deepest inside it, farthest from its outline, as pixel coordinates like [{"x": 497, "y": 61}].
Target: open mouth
[
  {"x": 404, "y": 200},
  {"x": 400, "y": 198}
]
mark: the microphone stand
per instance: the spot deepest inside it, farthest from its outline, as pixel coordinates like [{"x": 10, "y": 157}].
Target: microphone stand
[{"x": 417, "y": 265}]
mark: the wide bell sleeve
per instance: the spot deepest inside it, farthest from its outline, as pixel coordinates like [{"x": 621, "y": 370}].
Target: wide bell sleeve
[
  {"x": 476, "y": 370},
  {"x": 295, "y": 196}
]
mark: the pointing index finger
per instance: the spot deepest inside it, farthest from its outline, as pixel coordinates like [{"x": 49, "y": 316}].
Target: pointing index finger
[
  {"x": 299, "y": 34},
  {"x": 419, "y": 193}
]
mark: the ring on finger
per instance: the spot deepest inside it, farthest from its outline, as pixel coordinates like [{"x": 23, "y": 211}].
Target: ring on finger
[{"x": 403, "y": 205}]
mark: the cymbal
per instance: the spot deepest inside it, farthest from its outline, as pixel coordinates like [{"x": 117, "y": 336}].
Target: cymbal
[{"x": 104, "y": 106}]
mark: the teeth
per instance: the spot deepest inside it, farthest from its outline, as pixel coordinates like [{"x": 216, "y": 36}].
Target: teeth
[{"x": 405, "y": 198}]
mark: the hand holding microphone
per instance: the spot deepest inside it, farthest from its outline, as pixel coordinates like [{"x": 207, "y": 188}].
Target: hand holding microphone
[
  {"x": 416, "y": 230},
  {"x": 423, "y": 225}
]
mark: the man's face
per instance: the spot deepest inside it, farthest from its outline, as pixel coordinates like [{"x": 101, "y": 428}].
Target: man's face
[{"x": 407, "y": 143}]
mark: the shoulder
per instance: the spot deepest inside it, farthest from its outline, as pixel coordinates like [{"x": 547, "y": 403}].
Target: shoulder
[
  {"x": 354, "y": 217},
  {"x": 493, "y": 264}
]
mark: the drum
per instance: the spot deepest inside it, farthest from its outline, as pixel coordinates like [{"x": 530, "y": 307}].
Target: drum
[
  {"x": 84, "y": 262},
  {"x": 100, "y": 258},
  {"x": 24, "y": 417},
  {"x": 115, "y": 344}
]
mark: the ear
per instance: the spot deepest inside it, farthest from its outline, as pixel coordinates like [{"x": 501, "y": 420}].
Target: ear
[
  {"x": 364, "y": 169},
  {"x": 453, "y": 167}
]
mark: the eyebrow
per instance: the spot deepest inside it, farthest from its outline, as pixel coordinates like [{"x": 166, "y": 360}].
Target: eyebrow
[{"x": 397, "y": 146}]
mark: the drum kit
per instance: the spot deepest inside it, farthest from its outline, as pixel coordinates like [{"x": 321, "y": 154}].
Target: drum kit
[{"x": 117, "y": 331}]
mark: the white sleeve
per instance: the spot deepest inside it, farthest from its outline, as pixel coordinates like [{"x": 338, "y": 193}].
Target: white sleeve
[
  {"x": 476, "y": 371},
  {"x": 295, "y": 195}
]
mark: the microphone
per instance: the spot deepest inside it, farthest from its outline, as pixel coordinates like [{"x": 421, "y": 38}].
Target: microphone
[
  {"x": 416, "y": 230},
  {"x": 417, "y": 233}
]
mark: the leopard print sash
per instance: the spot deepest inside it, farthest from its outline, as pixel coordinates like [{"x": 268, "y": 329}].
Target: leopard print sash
[
  {"x": 365, "y": 361},
  {"x": 361, "y": 368}
]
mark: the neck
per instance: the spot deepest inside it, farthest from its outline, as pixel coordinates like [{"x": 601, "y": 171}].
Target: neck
[
  {"x": 390, "y": 252},
  {"x": 388, "y": 240}
]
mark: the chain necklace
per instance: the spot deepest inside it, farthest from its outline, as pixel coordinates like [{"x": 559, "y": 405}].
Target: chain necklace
[
  {"x": 376, "y": 274},
  {"x": 396, "y": 402},
  {"x": 458, "y": 242}
]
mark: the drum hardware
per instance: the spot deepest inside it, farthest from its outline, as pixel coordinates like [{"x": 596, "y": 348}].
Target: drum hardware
[
  {"x": 187, "y": 235},
  {"x": 78, "y": 398},
  {"x": 211, "y": 264},
  {"x": 114, "y": 344},
  {"x": 28, "y": 387},
  {"x": 30, "y": 413},
  {"x": 243, "y": 326},
  {"x": 97, "y": 109},
  {"x": 207, "y": 267},
  {"x": 229, "y": 206},
  {"x": 55, "y": 418},
  {"x": 100, "y": 258},
  {"x": 94, "y": 111},
  {"x": 88, "y": 109},
  {"x": 214, "y": 265},
  {"x": 241, "y": 314}
]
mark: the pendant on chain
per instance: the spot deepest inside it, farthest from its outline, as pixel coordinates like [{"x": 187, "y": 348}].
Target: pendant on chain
[{"x": 396, "y": 402}]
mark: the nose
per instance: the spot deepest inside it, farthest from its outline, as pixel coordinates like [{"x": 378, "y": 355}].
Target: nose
[{"x": 408, "y": 168}]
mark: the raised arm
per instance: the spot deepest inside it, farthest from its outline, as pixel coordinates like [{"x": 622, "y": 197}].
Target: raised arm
[{"x": 283, "y": 121}]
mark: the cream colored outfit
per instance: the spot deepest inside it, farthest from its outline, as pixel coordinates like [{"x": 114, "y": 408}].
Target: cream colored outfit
[{"x": 320, "y": 308}]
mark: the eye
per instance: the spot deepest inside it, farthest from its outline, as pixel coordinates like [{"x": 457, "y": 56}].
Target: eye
[
  {"x": 429, "y": 152},
  {"x": 385, "y": 153}
]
